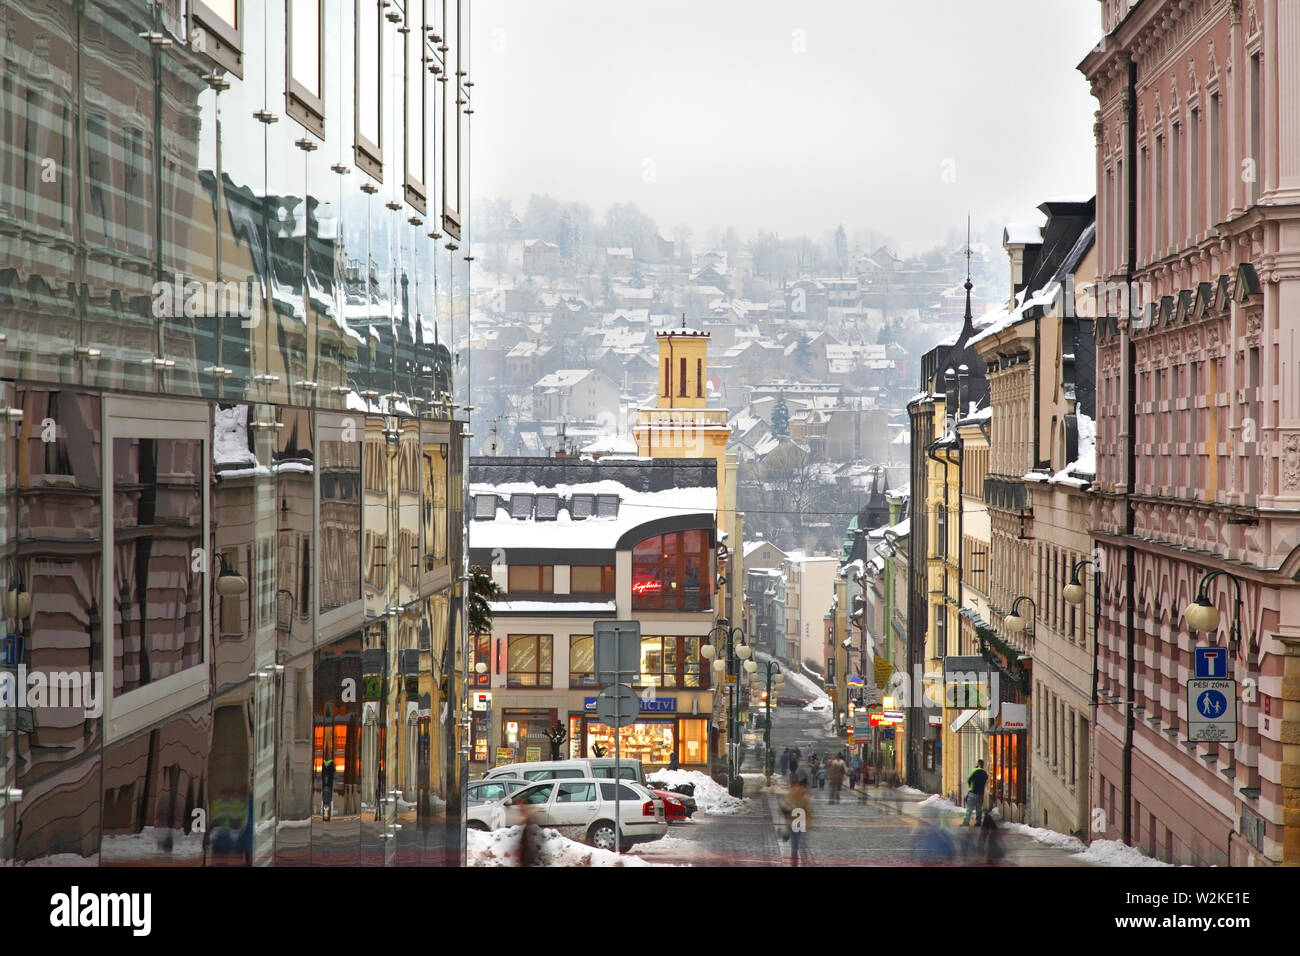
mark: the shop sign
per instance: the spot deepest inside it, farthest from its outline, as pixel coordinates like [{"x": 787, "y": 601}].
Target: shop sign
[
  {"x": 1015, "y": 716},
  {"x": 895, "y": 715},
  {"x": 653, "y": 705},
  {"x": 505, "y": 755},
  {"x": 533, "y": 754},
  {"x": 879, "y": 720},
  {"x": 935, "y": 721}
]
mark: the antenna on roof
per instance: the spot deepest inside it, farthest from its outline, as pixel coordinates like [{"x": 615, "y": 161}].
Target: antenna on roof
[{"x": 683, "y": 321}]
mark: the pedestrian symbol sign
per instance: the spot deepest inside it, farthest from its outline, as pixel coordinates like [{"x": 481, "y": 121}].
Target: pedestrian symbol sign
[
  {"x": 1212, "y": 662},
  {"x": 1212, "y": 710}
]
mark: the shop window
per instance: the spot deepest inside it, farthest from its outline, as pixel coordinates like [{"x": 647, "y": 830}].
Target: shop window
[
  {"x": 649, "y": 741},
  {"x": 591, "y": 579},
  {"x": 670, "y": 662},
  {"x": 528, "y": 660},
  {"x": 531, "y": 579},
  {"x": 672, "y": 572},
  {"x": 582, "y": 661},
  {"x": 693, "y": 741},
  {"x": 304, "y": 59}
]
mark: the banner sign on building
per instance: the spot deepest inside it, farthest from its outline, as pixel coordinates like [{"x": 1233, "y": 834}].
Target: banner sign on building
[{"x": 655, "y": 705}]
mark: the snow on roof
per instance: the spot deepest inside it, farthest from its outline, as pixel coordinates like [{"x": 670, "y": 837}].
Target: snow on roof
[
  {"x": 635, "y": 508},
  {"x": 1022, "y": 233},
  {"x": 752, "y": 546},
  {"x": 566, "y": 607},
  {"x": 611, "y": 445},
  {"x": 1086, "y": 463},
  {"x": 564, "y": 378},
  {"x": 983, "y": 415}
]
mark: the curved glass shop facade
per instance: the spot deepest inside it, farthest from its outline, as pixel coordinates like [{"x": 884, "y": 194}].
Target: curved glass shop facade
[{"x": 231, "y": 534}]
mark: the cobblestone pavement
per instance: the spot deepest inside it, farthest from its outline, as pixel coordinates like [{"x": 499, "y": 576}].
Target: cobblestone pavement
[{"x": 879, "y": 827}]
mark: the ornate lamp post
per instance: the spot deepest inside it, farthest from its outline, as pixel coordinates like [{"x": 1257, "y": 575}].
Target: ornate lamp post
[{"x": 730, "y": 666}]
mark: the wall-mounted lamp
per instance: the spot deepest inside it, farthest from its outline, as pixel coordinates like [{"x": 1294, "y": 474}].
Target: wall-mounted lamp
[
  {"x": 229, "y": 581},
  {"x": 1202, "y": 615},
  {"x": 1013, "y": 621}
]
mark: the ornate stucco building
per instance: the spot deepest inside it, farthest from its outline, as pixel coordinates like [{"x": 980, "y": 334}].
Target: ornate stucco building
[{"x": 1198, "y": 454}]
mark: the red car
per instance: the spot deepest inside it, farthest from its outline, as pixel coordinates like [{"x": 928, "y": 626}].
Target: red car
[{"x": 675, "y": 810}]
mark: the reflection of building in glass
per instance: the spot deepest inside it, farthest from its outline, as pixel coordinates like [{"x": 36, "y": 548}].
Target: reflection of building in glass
[{"x": 222, "y": 317}]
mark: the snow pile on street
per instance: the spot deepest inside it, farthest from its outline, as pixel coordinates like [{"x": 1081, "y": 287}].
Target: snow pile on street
[
  {"x": 937, "y": 803},
  {"x": 710, "y": 797},
  {"x": 1115, "y": 853},
  {"x": 501, "y": 848},
  {"x": 821, "y": 705},
  {"x": 1061, "y": 841},
  {"x": 910, "y": 790}
]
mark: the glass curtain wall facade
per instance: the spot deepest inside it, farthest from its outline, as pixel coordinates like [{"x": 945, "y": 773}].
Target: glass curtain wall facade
[{"x": 230, "y": 481}]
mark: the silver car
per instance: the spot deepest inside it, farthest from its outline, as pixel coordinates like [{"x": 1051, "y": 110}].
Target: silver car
[
  {"x": 581, "y": 809},
  {"x": 490, "y": 791}
]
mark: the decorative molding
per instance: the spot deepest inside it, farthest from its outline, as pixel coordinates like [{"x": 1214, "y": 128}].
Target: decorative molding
[{"x": 1290, "y": 461}]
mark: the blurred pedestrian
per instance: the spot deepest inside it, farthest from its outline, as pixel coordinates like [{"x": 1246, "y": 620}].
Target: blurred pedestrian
[
  {"x": 835, "y": 771},
  {"x": 798, "y": 810},
  {"x": 672, "y": 761},
  {"x": 855, "y": 771},
  {"x": 934, "y": 844},
  {"x": 821, "y": 778},
  {"x": 991, "y": 839}
]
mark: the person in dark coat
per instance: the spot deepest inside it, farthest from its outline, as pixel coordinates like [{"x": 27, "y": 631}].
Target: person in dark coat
[
  {"x": 991, "y": 839},
  {"x": 672, "y": 762},
  {"x": 327, "y": 788}
]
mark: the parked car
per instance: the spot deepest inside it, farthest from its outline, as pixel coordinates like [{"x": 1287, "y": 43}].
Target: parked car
[
  {"x": 676, "y": 809},
  {"x": 791, "y": 701},
  {"x": 602, "y": 768},
  {"x": 498, "y": 788},
  {"x": 580, "y": 808},
  {"x": 685, "y": 793}
]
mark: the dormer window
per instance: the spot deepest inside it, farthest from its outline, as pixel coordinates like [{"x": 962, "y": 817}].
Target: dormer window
[
  {"x": 485, "y": 507},
  {"x": 607, "y": 506},
  {"x": 582, "y": 507},
  {"x": 521, "y": 506},
  {"x": 547, "y": 507}
]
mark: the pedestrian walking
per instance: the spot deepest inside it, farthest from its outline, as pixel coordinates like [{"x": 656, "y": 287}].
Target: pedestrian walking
[
  {"x": 934, "y": 844},
  {"x": 327, "y": 788},
  {"x": 855, "y": 771},
  {"x": 672, "y": 761},
  {"x": 975, "y": 783},
  {"x": 991, "y": 839},
  {"x": 835, "y": 771},
  {"x": 798, "y": 810},
  {"x": 821, "y": 778}
]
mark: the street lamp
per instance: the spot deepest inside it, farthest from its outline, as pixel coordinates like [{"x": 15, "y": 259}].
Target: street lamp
[
  {"x": 736, "y": 654},
  {"x": 1013, "y": 621},
  {"x": 1202, "y": 615},
  {"x": 775, "y": 683}
]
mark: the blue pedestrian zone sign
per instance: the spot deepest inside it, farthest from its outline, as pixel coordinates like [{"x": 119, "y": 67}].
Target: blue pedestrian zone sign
[
  {"x": 1211, "y": 710},
  {"x": 1212, "y": 662}
]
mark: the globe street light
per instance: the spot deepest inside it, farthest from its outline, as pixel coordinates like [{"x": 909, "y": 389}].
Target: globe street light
[
  {"x": 730, "y": 665},
  {"x": 1202, "y": 615},
  {"x": 1013, "y": 621}
]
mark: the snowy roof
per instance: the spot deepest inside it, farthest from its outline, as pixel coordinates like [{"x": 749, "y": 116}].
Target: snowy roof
[
  {"x": 565, "y": 607},
  {"x": 611, "y": 445},
  {"x": 1022, "y": 233},
  {"x": 635, "y": 508},
  {"x": 564, "y": 378}
]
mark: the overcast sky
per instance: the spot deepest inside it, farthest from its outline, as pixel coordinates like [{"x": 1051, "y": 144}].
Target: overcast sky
[{"x": 897, "y": 116}]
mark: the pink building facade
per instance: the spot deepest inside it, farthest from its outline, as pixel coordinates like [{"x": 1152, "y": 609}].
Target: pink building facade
[{"x": 1198, "y": 454}]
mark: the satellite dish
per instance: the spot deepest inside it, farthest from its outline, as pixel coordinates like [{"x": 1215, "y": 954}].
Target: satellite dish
[{"x": 493, "y": 446}]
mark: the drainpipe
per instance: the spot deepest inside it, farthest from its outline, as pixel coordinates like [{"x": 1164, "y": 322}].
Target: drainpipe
[{"x": 1130, "y": 452}]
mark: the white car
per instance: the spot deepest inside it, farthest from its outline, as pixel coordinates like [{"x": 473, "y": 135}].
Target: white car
[
  {"x": 819, "y": 705},
  {"x": 581, "y": 809}
]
